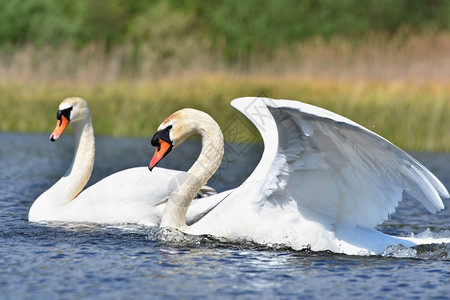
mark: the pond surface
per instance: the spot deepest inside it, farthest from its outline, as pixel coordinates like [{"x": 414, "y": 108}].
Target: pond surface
[{"x": 86, "y": 261}]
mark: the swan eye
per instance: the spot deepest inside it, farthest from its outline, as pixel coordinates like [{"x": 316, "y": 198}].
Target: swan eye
[
  {"x": 63, "y": 112},
  {"x": 163, "y": 134}
]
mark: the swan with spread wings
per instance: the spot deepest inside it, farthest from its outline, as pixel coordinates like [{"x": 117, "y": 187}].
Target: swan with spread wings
[{"x": 323, "y": 181}]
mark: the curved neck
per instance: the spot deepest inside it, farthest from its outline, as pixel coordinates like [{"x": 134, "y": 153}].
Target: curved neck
[
  {"x": 80, "y": 170},
  {"x": 82, "y": 164},
  {"x": 48, "y": 205},
  {"x": 208, "y": 162}
]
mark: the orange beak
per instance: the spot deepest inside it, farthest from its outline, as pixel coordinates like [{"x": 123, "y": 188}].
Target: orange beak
[
  {"x": 161, "y": 150},
  {"x": 59, "y": 129}
]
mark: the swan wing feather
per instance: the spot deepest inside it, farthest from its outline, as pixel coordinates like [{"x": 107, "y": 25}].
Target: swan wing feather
[{"x": 337, "y": 171}]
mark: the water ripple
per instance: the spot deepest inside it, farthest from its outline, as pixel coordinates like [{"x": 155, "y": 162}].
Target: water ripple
[{"x": 88, "y": 261}]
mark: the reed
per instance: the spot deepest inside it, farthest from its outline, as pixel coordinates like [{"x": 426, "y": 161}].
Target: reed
[
  {"x": 396, "y": 86},
  {"x": 403, "y": 57},
  {"x": 415, "y": 116}
]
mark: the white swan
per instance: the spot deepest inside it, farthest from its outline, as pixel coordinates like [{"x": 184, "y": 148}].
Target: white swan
[
  {"x": 323, "y": 181},
  {"x": 130, "y": 196}
]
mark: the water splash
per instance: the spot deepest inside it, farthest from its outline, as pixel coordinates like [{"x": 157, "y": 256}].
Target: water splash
[
  {"x": 399, "y": 251},
  {"x": 179, "y": 238},
  {"x": 426, "y": 252},
  {"x": 428, "y": 234},
  {"x": 437, "y": 251},
  {"x": 431, "y": 251}
]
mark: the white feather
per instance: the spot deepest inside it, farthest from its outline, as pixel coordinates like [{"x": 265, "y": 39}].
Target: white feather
[{"x": 323, "y": 181}]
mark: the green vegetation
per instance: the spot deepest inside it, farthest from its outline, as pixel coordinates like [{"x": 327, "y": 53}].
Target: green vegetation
[
  {"x": 413, "y": 117},
  {"x": 239, "y": 27},
  {"x": 383, "y": 63}
]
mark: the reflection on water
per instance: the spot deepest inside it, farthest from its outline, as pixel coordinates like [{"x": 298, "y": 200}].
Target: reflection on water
[{"x": 97, "y": 261}]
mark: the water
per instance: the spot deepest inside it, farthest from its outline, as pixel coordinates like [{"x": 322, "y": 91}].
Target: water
[{"x": 82, "y": 261}]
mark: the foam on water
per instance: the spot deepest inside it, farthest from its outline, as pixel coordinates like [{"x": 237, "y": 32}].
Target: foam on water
[
  {"x": 433, "y": 251},
  {"x": 428, "y": 252}
]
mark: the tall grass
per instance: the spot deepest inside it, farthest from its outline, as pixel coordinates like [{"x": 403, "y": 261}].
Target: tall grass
[
  {"x": 415, "y": 117},
  {"x": 404, "y": 57},
  {"x": 398, "y": 87}
]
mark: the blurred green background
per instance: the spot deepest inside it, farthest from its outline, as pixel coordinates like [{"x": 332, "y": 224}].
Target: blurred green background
[{"x": 383, "y": 63}]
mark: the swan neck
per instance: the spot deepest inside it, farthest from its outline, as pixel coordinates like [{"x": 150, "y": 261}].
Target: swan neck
[
  {"x": 80, "y": 170},
  {"x": 74, "y": 180},
  {"x": 205, "y": 166},
  {"x": 84, "y": 153}
]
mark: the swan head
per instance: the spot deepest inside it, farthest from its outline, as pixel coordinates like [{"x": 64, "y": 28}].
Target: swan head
[
  {"x": 71, "y": 110},
  {"x": 174, "y": 130}
]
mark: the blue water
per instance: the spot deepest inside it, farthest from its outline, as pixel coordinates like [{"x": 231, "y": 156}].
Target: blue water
[{"x": 86, "y": 261}]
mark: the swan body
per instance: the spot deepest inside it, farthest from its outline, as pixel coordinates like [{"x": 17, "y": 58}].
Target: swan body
[
  {"x": 323, "y": 182},
  {"x": 129, "y": 196}
]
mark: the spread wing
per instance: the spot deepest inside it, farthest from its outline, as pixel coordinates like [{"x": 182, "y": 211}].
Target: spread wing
[{"x": 336, "y": 170}]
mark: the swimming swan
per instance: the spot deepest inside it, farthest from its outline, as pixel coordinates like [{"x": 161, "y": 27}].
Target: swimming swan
[
  {"x": 129, "y": 196},
  {"x": 323, "y": 181}
]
